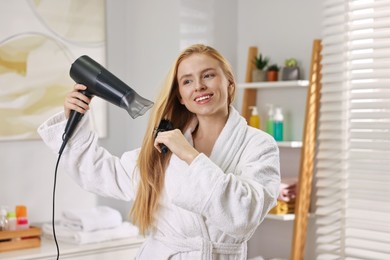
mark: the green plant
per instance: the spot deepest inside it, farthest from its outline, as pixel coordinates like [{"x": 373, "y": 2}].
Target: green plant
[
  {"x": 273, "y": 67},
  {"x": 290, "y": 63},
  {"x": 261, "y": 62}
]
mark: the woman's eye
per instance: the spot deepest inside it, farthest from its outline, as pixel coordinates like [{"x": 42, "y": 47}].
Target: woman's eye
[
  {"x": 185, "y": 82},
  {"x": 206, "y": 76}
]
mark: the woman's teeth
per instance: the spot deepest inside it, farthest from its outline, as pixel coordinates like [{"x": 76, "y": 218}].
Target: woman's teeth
[{"x": 202, "y": 98}]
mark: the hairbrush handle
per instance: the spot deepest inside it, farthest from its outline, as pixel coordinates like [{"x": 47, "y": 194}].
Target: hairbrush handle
[{"x": 165, "y": 125}]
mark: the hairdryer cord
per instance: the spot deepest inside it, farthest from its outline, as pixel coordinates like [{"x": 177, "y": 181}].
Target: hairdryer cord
[{"x": 54, "y": 197}]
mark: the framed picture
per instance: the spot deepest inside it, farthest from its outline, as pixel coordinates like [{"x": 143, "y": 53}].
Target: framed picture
[{"x": 39, "y": 40}]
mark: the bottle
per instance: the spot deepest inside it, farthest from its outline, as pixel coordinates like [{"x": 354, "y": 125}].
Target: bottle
[
  {"x": 270, "y": 120},
  {"x": 278, "y": 124},
  {"x": 21, "y": 217},
  {"x": 11, "y": 218},
  {"x": 3, "y": 219},
  {"x": 254, "y": 120}
]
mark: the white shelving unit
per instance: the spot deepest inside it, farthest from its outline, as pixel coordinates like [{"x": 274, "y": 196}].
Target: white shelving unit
[
  {"x": 291, "y": 96},
  {"x": 274, "y": 84},
  {"x": 290, "y": 144},
  {"x": 284, "y": 217}
]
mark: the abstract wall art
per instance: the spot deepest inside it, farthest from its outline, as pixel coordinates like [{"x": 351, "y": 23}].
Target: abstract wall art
[{"x": 39, "y": 40}]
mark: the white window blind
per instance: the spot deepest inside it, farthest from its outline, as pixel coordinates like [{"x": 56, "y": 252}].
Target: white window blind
[
  {"x": 353, "y": 159},
  {"x": 196, "y": 22}
]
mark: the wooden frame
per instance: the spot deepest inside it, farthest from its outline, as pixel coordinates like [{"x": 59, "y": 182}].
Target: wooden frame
[{"x": 308, "y": 144}]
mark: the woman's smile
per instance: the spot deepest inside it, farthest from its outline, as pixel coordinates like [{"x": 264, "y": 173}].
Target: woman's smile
[{"x": 202, "y": 99}]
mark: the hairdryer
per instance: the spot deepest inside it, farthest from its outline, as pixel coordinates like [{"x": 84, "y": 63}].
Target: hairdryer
[{"x": 102, "y": 83}]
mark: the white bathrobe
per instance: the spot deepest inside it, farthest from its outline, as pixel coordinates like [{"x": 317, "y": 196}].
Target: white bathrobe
[{"x": 208, "y": 209}]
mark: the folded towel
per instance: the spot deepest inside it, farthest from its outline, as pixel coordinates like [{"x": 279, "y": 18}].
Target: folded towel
[
  {"x": 283, "y": 207},
  {"x": 100, "y": 217},
  {"x": 287, "y": 189},
  {"x": 125, "y": 230}
]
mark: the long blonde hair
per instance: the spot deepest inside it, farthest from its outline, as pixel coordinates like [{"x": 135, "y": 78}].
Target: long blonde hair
[{"x": 150, "y": 162}]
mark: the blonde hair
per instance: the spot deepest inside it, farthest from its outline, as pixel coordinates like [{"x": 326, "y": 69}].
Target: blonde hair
[{"x": 150, "y": 162}]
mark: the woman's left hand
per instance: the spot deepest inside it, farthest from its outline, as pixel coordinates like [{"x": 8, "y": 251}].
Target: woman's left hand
[{"x": 177, "y": 143}]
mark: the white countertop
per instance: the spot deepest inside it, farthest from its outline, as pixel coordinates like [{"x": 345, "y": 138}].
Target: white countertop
[{"x": 48, "y": 249}]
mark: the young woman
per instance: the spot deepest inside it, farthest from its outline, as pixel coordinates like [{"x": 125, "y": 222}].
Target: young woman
[{"x": 208, "y": 194}]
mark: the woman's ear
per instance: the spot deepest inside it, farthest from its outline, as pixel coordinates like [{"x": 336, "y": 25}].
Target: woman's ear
[{"x": 231, "y": 88}]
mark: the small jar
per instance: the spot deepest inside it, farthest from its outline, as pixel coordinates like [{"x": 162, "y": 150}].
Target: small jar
[
  {"x": 21, "y": 217},
  {"x": 11, "y": 218}
]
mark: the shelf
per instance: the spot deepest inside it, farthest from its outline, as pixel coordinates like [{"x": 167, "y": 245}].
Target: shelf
[
  {"x": 290, "y": 144},
  {"x": 274, "y": 84},
  {"x": 282, "y": 217}
]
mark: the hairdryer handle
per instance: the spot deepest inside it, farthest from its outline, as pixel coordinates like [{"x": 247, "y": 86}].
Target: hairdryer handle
[{"x": 73, "y": 120}]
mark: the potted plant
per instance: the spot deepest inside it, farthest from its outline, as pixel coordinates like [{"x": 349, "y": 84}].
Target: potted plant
[
  {"x": 259, "y": 73},
  {"x": 273, "y": 72},
  {"x": 290, "y": 70}
]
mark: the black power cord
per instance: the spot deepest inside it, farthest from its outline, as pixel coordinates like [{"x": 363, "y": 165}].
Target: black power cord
[
  {"x": 53, "y": 213},
  {"x": 65, "y": 140}
]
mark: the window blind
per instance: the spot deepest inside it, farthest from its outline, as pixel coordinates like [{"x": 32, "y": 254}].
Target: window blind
[
  {"x": 353, "y": 157},
  {"x": 196, "y": 22}
]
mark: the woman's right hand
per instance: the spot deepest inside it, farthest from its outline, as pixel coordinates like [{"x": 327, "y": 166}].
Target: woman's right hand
[{"x": 75, "y": 100}]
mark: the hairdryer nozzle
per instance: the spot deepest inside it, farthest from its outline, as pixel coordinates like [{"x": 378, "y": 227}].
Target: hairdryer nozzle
[{"x": 135, "y": 104}]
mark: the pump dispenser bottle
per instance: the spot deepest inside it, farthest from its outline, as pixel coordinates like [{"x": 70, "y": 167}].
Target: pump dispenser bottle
[
  {"x": 254, "y": 120},
  {"x": 270, "y": 120},
  {"x": 278, "y": 124}
]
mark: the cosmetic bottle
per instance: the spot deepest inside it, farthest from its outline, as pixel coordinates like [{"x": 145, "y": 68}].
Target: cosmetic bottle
[
  {"x": 11, "y": 218},
  {"x": 278, "y": 124},
  {"x": 3, "y": 219},
  {"x": 270, "y": 120},
  {"x": 21, "y": 217},
  {"x": 254, "y": 119}
]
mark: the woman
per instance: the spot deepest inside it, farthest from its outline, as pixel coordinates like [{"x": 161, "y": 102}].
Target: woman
[{"x": 207, "y": 195}]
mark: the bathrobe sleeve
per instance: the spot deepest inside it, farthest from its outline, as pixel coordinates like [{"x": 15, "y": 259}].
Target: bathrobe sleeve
[
  {"x": 234, "y": 203},
  {"x": 91, "y": 166}
]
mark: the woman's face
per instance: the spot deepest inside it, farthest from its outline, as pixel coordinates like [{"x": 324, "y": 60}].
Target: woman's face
[{"x": 203, "y": 87}]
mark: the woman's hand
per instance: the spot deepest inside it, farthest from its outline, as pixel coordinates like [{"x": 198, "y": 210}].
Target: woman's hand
[
  {"x": 177, "y": 143},
  {"x": 76, "y": 100}
]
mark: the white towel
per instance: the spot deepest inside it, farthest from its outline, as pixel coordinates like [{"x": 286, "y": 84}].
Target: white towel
[
  {"x": 125, "y": 230},
  {"x": 100, "y": 217}
]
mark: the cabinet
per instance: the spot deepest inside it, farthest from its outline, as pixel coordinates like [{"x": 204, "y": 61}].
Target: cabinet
[
  {"x": 301, "y": 129},
  {"x": 121, "y": 249}
]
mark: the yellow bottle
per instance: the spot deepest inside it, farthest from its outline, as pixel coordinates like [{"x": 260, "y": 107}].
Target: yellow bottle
[{"x": 254, "y": 120}]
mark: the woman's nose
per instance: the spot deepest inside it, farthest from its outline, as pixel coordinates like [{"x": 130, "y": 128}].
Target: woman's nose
[{"x": 200, "y": 85}]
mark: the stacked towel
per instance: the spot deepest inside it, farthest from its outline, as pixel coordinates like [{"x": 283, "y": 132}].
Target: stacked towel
[
  {"x": 124, "y": 230},
  {"x": 286, "y": 198},
  {"x": 90, "y": 226},
  {"x": 101, "y": 217},
  {"x": 288, "y": 189}
]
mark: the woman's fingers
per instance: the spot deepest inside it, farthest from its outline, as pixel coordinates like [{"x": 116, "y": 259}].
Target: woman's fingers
[
  {"x": 177, "y": 143},
  {"x": 76, "y": 100}
]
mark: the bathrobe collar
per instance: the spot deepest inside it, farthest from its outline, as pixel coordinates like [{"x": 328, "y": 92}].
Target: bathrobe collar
[{"x": 229, "y": 140}]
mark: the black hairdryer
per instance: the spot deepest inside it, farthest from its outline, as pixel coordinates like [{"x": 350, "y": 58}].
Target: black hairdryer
[{"x": 102, "y": 83}]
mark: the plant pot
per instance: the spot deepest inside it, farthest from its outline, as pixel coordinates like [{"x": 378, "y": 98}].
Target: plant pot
[
  {"x": 290, "y": 73},
  {"x": 272, "y": 75},
  {"x": 258, "y": 75}
]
